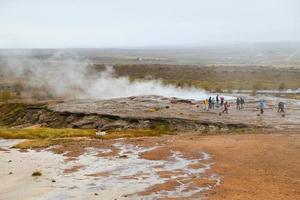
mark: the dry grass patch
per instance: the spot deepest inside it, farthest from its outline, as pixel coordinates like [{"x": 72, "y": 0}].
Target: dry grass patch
[
  {"x": 35, "y": 144},
  {"x": 129, "y": 133}
]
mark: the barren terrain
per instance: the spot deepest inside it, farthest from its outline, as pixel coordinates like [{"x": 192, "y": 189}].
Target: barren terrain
[{"x": 200, "y": 154}]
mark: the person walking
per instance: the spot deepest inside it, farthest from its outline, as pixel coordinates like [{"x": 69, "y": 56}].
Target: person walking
[
  {"x": 238, "y": 101},
  {"x": 226, "y": 106},
  {"x": 262, "y": 105},
  {"x": 209, "y": 103},
  {"x": 242, "y": 103},
  {"x": 280, "y": 107}
]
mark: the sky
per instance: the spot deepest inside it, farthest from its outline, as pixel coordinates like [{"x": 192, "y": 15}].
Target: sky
[{"x": 145, "y": 23}]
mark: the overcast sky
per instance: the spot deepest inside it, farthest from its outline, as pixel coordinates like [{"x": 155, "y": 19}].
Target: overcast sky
[{"x": 141, "y": 23}]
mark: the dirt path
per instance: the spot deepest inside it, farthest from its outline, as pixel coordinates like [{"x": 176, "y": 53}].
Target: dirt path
[{"x": 255, "y": 166}]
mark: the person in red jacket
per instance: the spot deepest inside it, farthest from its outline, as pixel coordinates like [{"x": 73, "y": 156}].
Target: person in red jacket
[{"x": 226, "y": 106}]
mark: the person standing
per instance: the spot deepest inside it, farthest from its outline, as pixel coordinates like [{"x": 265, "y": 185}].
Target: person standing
[
  {"x": 222, "y": 100},
  {"x": 213, "y": 103},
  {"x": 205, "y": 104},
  {"x": 217, "y": 100}
]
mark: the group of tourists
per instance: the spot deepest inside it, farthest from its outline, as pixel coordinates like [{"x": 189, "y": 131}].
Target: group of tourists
[
  {"x": 262, "y": 105},
  {"x": 219, "y": 101},
  {"x": 213, "y": 102},
  {"x": 216, "y": 102},
  {"x": 240, "y": 103}
]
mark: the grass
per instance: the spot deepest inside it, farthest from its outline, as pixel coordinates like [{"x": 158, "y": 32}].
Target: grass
[
  {"x": 129, "y": 133},
  {"x": 159, "y": 130},
  {"x": 46, "y": 137},
  {"x": 10, "y": 112},
  {"x": 35, "y": 144},
  {"x": 44, "y": 133}
]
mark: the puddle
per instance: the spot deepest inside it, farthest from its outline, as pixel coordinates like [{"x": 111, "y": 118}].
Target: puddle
[{"x": 123, "y": 176}]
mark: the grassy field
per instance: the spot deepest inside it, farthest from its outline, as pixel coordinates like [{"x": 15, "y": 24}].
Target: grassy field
[{"x": 214, "y": 77}]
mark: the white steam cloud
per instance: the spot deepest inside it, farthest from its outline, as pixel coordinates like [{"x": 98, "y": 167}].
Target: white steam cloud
[{"x": 71, "y": 77}]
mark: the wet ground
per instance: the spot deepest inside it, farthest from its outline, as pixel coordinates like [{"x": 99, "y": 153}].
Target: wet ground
[
  {"x": 122, "y": 170},
  {"x": 189, "y": 165},
  {"x": 218, "y": 167},
  {"x": 177, "y": 110}
]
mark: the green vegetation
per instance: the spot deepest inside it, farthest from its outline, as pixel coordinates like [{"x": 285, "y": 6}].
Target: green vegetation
[
  {"x": 18, "y": 88},
  {"x": 215, "y": 78},
  {"x": 129, "y": 133},
  {"x": 37, "y": 144},
  {"x": 5, "y": 96},
  {"x": 159, "y": 129},
  {"x": 46, "y": 137},
  {"x": 282, "y": 86},
  {"x": 44, "y": 133},
  {"x": 10, "y": 112}
]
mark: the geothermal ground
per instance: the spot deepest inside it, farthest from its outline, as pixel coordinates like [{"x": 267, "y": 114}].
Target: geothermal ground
[{"x": 200, "y": 155}]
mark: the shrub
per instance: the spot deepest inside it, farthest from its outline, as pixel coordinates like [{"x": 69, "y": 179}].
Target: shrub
[
  {"x": 5, "y": 96},
  {"x": 282, "y": 86}
]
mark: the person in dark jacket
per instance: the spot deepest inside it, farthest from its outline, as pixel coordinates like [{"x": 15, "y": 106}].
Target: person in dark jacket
[
  {"x": 238, "y": 101},
  {"x": 242, "y": 102},
  {"x": 280, "y": 107}
]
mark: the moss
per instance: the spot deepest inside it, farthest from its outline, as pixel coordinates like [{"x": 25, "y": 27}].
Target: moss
[
  {"x": 43, "y": 133},
  {"x": 159, "y": 130},
  {"x": 239, "y": 130}
]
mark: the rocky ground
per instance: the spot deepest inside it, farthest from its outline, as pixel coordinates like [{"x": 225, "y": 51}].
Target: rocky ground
[
  {"x": 213, "y": 155},
  {"x": 150, "y": 111}
]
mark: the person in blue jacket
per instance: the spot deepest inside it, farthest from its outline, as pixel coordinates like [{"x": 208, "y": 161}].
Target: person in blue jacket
[{"x": 262, "y": 105}]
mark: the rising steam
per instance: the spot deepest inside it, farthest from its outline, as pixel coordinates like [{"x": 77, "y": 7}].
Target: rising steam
[{"x": 71, "y": 78}]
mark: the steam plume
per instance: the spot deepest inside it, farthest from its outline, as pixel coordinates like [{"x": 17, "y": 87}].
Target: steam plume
[{"x": 70, "y": 77}]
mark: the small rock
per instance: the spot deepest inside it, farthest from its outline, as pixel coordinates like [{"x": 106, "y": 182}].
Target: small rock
[
  {"x": 53, "y": 181},
  {"x": 101, "y": 133},
  {"x": 10, "y": 161},
  {"x": 10, "y": 173},
  {"x": 96, "y": 194},
  {"x": 123, "y": 156}
]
